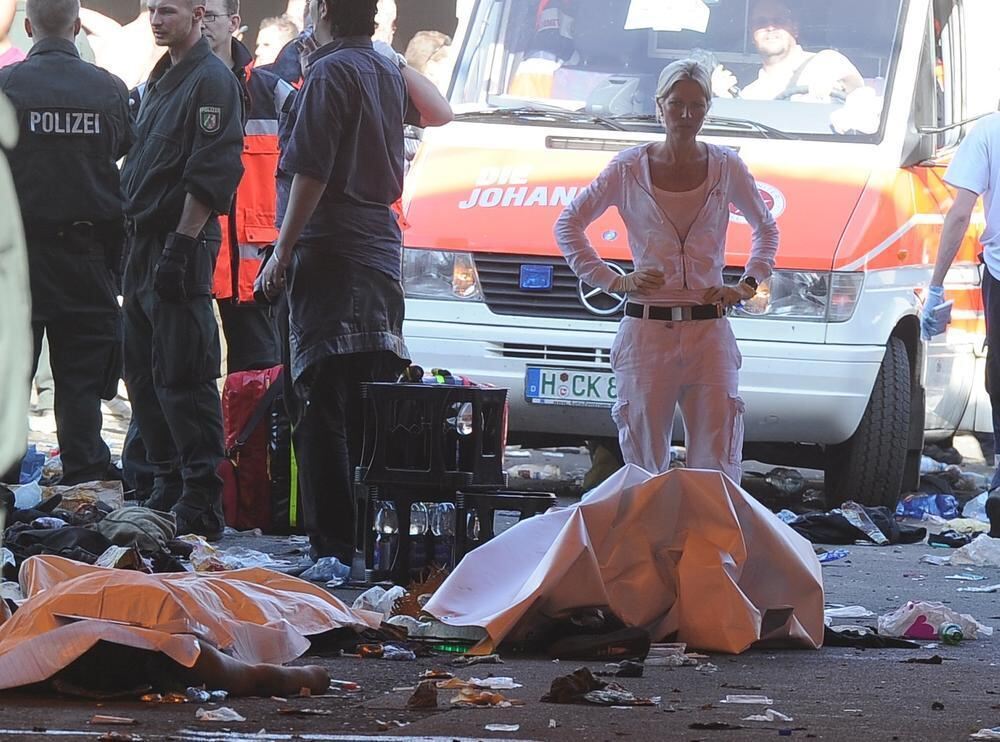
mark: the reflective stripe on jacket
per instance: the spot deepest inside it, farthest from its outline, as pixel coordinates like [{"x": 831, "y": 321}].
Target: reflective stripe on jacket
[{"x": 250, "y": 225}]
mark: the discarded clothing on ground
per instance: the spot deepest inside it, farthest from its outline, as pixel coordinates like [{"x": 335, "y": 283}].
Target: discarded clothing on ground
[
  {"x": 834, "y": 528},
  {"x": 79, "y": 544},
  {"x": 150, "y": 530},
  {"x": 686, "y": 553},
  {"x": 254, "y": 615}
]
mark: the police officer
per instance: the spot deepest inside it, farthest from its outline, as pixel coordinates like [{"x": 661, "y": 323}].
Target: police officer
[
  {"x": 182, "y": 173},
  {"x": 74, "y": 126}
]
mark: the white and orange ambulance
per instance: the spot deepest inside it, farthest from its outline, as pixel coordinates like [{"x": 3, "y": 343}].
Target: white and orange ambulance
[{"x": 835, "y": 374}]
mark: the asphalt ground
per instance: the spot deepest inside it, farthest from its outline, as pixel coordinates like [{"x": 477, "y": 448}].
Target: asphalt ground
[{"x": 831, "y": 693}]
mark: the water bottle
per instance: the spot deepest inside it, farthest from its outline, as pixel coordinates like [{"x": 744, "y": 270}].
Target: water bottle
[
  {"x": 930, "y": 466},
  {"x": 386, "y": 536},
  {"x": 472, "y": 526},
  {"x": 787, "y": 481},
  {"x": 419, "y": 525},
  {"x": 443, "y": 532},
  {"x": 950, "y": 633}
]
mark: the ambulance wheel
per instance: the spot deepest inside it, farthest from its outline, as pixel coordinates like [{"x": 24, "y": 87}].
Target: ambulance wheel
[{"x": 868, "y": 467}]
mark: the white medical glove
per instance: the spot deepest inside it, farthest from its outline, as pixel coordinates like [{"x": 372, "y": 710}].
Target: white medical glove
[
  {"x": 934, "y": 323},
  {"x": 639, "y": 282}
]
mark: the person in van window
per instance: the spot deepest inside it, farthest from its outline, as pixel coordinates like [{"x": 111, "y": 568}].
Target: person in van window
[
  {"x": 675, "y": 345},
  {"x": 788, "y": 72}
]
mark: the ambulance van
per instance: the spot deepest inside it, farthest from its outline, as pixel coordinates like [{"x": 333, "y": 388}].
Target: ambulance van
[{"x": 835, "y": 374}]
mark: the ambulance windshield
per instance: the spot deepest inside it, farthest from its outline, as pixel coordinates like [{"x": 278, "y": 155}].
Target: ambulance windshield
[{"x": 787, "y": 68}]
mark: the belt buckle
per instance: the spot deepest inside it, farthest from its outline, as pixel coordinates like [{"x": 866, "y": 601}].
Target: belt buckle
[{"x": 676, "y": 314}]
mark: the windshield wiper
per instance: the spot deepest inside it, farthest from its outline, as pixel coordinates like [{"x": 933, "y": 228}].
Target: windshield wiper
[
  {"x": 769, "y": 132},
  {"x": 540, "y": 113}
]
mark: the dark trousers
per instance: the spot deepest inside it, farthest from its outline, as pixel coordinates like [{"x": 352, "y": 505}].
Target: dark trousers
[
  {"x": 991, "y": 308},
  {"x": 75, "y": 303},
  {"x": 172, "y": 359},
  {"x": 328, "y": 432},
  {"x": 137, "y": 472},
  {"x": 251, "y": 337}
]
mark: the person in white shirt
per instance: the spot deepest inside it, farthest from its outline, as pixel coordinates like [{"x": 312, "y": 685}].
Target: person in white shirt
[
  {"x": 974, "y": 171},
  {"x": 788, "y": 72},
  {"x": 675, "y": 345}
]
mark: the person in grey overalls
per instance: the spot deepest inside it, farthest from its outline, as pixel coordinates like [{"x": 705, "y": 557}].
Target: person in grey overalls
[{"x": 181, "y": 174}]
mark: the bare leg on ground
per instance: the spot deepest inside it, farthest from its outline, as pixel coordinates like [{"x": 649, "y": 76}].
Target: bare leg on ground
[{"x": 218, "y": 671}]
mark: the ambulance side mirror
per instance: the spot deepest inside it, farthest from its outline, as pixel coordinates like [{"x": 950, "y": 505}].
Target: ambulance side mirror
[{"x": 920, "y": 147}]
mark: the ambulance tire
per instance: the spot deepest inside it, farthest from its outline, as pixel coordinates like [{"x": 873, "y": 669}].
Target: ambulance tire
[{"x": 868, "y": 467}]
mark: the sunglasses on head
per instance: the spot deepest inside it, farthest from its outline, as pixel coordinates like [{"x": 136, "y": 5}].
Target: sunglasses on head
[{"x": 776, "y": 21}]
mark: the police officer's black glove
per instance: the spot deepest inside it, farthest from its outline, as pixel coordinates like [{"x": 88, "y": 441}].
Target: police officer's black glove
[{"x": 168, "y": 276}]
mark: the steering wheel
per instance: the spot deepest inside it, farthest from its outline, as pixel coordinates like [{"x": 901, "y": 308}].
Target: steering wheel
[{"x": 835, "y": 95}]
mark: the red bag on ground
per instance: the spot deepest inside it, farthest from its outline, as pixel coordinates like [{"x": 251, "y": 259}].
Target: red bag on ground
[{"x": 259, "y": 474}]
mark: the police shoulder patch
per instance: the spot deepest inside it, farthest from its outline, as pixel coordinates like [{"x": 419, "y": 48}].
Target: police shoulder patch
[{"x": 210, "y": 119}]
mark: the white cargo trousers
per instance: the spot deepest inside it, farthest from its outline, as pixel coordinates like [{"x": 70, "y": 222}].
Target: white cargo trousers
[{"x": 693, "y": 363}]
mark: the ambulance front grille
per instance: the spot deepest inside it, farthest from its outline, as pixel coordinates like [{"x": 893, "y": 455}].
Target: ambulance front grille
[
  {"x": 500, "y": 277},
  {"x": 597, "y": 357}
]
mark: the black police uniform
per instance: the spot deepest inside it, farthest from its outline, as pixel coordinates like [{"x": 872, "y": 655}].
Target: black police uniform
[
  {"x": 74, "y": 126},
  {"x": 189, "y": 141}
]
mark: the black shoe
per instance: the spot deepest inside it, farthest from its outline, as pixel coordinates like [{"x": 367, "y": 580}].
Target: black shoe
[
  {"x": 993, "y": 512},
  {"x": 200, "y": 522},
  {"x": 628, "y": 643},
  {"x": 950, "y": 538}
]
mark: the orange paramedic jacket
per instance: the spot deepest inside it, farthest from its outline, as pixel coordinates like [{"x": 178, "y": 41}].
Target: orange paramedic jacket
[{"x": 249, "y": 227}]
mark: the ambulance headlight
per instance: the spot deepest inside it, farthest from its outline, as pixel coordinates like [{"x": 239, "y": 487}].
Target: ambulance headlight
[
  {"x": 818, "y": 296},
  {"x": 439, "y": 274}
]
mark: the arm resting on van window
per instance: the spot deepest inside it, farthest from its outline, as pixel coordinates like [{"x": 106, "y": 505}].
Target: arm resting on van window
[
  {"x": 427, "y": 99},
  {"x": 956, "y": 224},
  {"x": 570, "y": 229},
  {"x": 745, "y": 196}
]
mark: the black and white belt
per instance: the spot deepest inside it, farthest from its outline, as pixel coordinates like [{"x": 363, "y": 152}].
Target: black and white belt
[{"x": 674, "y": 314}]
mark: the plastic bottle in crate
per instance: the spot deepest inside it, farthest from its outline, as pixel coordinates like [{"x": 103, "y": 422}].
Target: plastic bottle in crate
[
  {"x": 443, "y": 534},
  {"x": 386, "y": 536},
  {"x": 419, "y": 526}
]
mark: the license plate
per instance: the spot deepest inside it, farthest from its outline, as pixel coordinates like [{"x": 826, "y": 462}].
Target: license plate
[{"x": 566, "y": 387}]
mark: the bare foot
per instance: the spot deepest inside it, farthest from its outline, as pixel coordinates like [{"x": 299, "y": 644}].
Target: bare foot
[{"x": 219, "y": 671}]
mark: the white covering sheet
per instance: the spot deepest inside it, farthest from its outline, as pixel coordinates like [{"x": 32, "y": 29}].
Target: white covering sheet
[{"x": 687, "y": 551}]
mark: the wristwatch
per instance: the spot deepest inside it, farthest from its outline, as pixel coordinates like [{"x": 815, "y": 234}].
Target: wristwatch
[{"x": 750, "y": 281}]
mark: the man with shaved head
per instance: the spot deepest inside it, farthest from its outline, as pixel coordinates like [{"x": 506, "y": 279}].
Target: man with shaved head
[
  {"x": 178, "y": 178},
  {"x": 74, "y": 126}
]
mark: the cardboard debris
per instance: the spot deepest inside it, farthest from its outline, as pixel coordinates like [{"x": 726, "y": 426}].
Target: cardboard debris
[
  {"x": 424, "y": 697},
  {"x": 471, "y": 697},
  {"x": 115, "y": 720}
]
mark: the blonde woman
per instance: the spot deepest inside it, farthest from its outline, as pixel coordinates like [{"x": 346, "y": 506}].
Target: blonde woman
[{"x": 675, "y": 345}]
